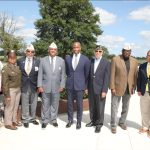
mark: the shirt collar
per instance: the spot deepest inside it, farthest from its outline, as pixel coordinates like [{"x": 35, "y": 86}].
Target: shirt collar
[
  {"x": 98, "y": 59},
  {"x": 77, "y": 55},
  {"x": 51, "y": 57}
]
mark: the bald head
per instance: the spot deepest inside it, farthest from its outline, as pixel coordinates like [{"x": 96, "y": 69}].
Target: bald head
[{"x": 77, "y": 43}]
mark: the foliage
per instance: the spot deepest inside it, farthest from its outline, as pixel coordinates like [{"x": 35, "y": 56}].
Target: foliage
[
  {"x": 66, "y": 22},
  {"x": 8, "y": 38}
]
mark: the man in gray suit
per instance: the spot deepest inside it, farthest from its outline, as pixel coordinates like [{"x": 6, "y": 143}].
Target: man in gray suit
[{"x": 51, "y": 81}]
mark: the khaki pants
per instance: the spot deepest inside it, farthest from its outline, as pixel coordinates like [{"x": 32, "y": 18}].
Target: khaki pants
[
  {"x": 11, "y": 108},
  {"x": 145, "y": 110}
]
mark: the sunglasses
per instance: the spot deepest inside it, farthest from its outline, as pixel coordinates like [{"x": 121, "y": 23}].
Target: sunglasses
[
  {"x": 126, "y": 51},
  {"x": 98, "y": 51},
  {"x": 30, "y": 51}
]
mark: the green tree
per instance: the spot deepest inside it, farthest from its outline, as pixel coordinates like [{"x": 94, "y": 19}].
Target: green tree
[{"x": 65, "y": 22}]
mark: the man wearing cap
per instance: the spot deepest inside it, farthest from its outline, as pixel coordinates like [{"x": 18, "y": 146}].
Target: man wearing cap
[
  {"x": 143, "y": 88},
  {"x": 122, "y": 84},
  {"x": 97, "y": 87},
  {"x": 51, "y": 81},
  {"x": 29, "y": 66},
  {"x": 77, "y": 70}
]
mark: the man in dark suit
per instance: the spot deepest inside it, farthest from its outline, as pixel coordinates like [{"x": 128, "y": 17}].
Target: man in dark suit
[
  {"x": 77, "y": 70},
  {"x": 143, "y": 88},
  {"x": 29, "y": 67},
  {"x": 97, "y": 87}
]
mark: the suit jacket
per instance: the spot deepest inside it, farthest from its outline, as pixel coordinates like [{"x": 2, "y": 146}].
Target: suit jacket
[
  {"x": 142, "y": 78},
  {"x": 51, "y": 81},
  {"x": 100, "y": 80},
  {"x": 119, "y": 77},
  {"x": 77, "y": 78},
  {"x": 30, "y": 79}
]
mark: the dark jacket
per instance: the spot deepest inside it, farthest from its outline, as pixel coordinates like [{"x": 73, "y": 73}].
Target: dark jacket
[
  {"x": 100, "y": 80},
  {"x": 30, "y": 79},
  {"x": 77, "y": 79},
  {"x": 142, "y": 78}
]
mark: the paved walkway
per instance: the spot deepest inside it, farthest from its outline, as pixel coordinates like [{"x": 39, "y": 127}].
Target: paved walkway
[{"x": 62, "y": 138}]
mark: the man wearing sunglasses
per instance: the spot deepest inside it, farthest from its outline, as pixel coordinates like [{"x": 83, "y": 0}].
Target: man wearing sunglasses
[
  {"x": 29, "y": 67},
  {"x": 123, "y": 82},
  {"x": 97, "y": 87}
]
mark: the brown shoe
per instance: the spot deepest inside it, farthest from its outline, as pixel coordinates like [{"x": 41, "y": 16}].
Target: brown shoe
[
  {"x": 142, "y": 131},
  {"x": 11, "y": 127},
  {"x": 148, "y": 134},
  {"x": 113, "y": 130},
  {"x": 122, "y": 126},
  {"x": 17, "y": 124}
]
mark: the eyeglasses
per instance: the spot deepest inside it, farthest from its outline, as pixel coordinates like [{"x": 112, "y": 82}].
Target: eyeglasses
[
  {"x": 126, "y": 51},
  {"x": 30, "y": 51},
  {"x": 98, "y": 51}
]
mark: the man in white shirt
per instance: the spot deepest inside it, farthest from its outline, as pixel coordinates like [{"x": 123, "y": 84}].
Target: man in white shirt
[
  {"x": 97, "y": 87},
  {"x": 77, "y": 70},
  {"x": 51, "y": 81},
  {"x": 29, "y": 93}
]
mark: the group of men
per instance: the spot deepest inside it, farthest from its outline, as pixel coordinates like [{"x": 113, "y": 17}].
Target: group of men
[{"x": 48, "y": 76}]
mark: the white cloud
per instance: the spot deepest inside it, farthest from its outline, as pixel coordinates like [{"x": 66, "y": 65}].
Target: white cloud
[
  {"x": 22, "y": 19},
  {"x": 106, "y": 18},
  {"x": 145, "y": 34},
  {"x": 142, "y": 13},
  {"x": 27, "y": 33},
  {"x": 111, "y": 41}
]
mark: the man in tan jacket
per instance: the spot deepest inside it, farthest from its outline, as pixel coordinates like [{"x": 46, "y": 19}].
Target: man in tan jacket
[{"x": 123, "y": 82}]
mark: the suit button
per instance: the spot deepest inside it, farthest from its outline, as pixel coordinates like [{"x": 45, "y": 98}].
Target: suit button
[
  {"x": 93, "y": 76},
  {"x": 93, "y": 82}
]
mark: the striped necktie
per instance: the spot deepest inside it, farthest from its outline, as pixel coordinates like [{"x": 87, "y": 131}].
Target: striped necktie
[{"x": 28, "y": 67}]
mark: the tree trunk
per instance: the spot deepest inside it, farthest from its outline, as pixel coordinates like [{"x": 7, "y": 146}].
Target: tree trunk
[{"x": 5, "y": 58}]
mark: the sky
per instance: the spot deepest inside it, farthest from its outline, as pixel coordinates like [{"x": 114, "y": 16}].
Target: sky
[{"x": 121, "y": 22}]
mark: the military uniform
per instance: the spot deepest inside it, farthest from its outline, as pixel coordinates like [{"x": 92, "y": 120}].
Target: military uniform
[{"x": 11, "y": 83}]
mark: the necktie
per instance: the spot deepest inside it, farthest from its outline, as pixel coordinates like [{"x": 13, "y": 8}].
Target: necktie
[
  {"x": 28, "y": 67},
  {"x": 148, "y": 74},
  {"x": 75, "y": 62},
  {"x": 52, "y": 64}
]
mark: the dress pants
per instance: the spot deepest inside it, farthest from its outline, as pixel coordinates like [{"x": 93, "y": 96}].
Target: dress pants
[
  {"x": 79, "y": 102},
  {"x": 145, "y": 110},
  {"x": 11, "y": 108},
  {"x": 26, "y": 98},
  {"x": 97, "y": 107},
  {"x": 50, "y": 104},
  {"x": 115, "y": 100}
]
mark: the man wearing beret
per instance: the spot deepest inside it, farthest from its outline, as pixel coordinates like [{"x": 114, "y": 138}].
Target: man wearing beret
[
  {"x": 143, "y": 88},
  {"x": 97, "y": 87},
  {"x": 29, "y": 67},
  {"x": 77, "y": 70},
  {"x": 51, "y": 81},
  {"x": 122, "y": 84}
]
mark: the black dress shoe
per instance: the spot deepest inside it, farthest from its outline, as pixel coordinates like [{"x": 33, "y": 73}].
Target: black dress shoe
[
  {"x": 69, "y": 124},
  {"x": 55, "y": 124},
  {"x": 78, "y": 126},
  {"x": 26, "y": 125},
  {"x": 34, "y": 122},
  {"x": 90, "y": 124},
  {"x": 97, "y": 130},
  {"x": 44, "y": 125}
]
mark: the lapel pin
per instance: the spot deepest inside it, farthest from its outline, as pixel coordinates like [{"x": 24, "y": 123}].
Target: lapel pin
[{"x": 23, "y": 62}]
